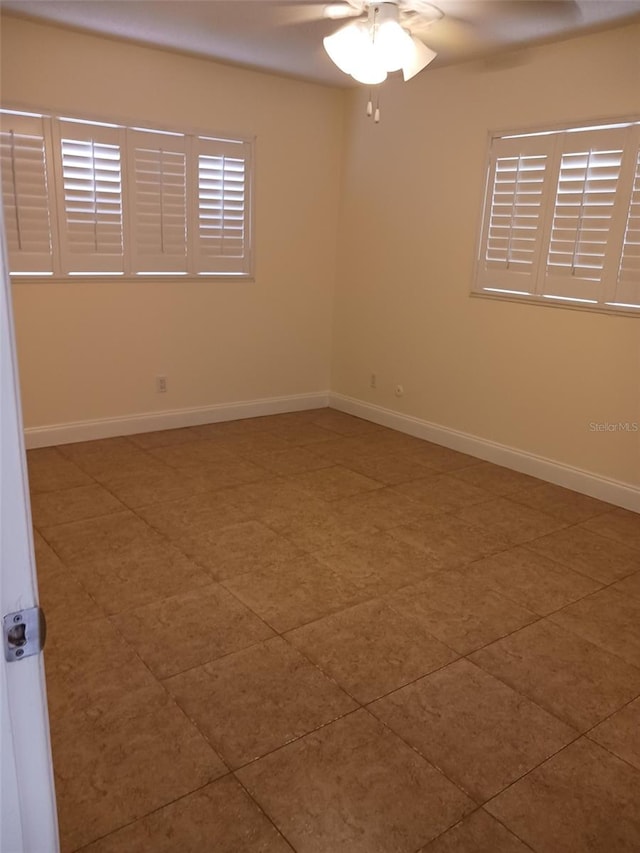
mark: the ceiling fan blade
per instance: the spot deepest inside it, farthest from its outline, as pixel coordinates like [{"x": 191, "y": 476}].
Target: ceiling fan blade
[
  {"x": 303, "y": 11},
  {"x": 448, "y": 35},
  {"x": 564, "y": 10}
]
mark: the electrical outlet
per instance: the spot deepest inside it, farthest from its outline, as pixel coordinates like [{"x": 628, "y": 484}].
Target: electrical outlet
[
  {"x": 373, "y": 381},
  {"x": 161, "y": 384}
]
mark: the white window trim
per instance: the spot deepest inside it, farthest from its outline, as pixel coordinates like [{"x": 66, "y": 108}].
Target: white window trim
[
  {"x": 127, "y": 130},
  {"x": 505, "y": 284}
]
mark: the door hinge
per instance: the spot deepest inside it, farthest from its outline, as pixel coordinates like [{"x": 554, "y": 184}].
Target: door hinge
[{"x": 24, "y": 633}]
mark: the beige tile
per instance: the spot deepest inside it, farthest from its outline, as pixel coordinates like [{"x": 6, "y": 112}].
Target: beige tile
[
  {"x": 581, "y": 799},
  {"x": 371, "y": 649},
  {"x": 81, "y": 542},
  {"x": 187, "y": 630},
  {"x": 192, "y": 516},
  {"x": 342, "y": 423},
  {"x": 568, "y": 676},
  {"x": 117, "y": 767},
  {"x": 273, "y": 494},
  {"x": 354, "y": 787},
  {"x": 496, "y": 479},
  {"x": 331, "y": 484},
  {"x": 441, "y": 458},
  {"x": 254, "y": 701},
  {"x": 563, "y": 504},
  {"x": 390, "y": 469},
  {"x": 164, "y": 438},
  {"x": 607, "y": 618},
  {"x": 448, "y": 541},
  {"x": 248, "y": 546},
  {"x": 479, "y": 732},
  {"x": 99, "y": 458},
  {"x": 343, "y": 451},
  {"x": 122, "y": 563},
  {"x": 382, "y": 508},
  {"x": 222, "y": 811},
  {"x": 152, "y": 486},
  {"x": 73, "y": 504},
  {"x": 531, "y": 579},
  {"x": 295, "y": 592},
  {"x": 49, "y": 471},
  {"x": 377, "y": 563},
  {"x": 201, "y": 452},
  {"x": 293, "y": 461},
  {"x": 629, "y": 586},
  {"x": 622, "y": 525},
  {"x": 64, "y": 600},
  {"x": 90, "y": 667},
  {"x": 443, "y": 493},
  {"x": 478, "y": 833},
  {"x": 588, "y": 553},
  {"x": 254, "y": 442},
  {"x": 313, "y": 524},
  {"x": 621, "y": 733},
  {"x": 226, "y": 472},
  {"x": 47, "y": 561},
  {"x": 515, "y": 522},
  {"x": 300, "y": 433},
  {"x": 462, "y": 613}
]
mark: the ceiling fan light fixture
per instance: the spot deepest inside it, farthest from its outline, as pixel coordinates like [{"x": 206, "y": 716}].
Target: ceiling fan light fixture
[
  {"x": 392, "y": 44},
  {"x": 417, "y": 58},
  {"x": 352, "y": 50}
]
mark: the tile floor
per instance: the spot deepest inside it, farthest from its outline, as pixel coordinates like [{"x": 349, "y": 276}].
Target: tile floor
[{"x": 306, "y": 632}]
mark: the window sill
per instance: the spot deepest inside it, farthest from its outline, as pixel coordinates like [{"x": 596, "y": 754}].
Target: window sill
[
  {"x": 129, "y": 279},
  {"x": 557, "y": 303}
]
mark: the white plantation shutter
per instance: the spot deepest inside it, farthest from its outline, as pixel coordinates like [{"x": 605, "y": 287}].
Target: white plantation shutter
[
  {"x": 87, "y": 198},
  {"x": 628, "y": 279},
  {"x": 583, "y": 213},
  {"x": 513, "y": 219},
  {"x": 562, "y": 216},
  {"x": 26, "y": 193},
  {"x": 90, "y": 208},
  {"x": 223, "y": 187},
  {"x": 158, "y": 187}
]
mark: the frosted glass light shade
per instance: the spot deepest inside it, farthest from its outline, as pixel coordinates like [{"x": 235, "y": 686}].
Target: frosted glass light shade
[
  {"x": 416, "y": 58},
  {"x": 392, "y": 43},
  {"x": 352, "y": 50}
]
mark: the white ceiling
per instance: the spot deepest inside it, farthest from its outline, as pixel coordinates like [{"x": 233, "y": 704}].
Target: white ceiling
[{"x": 285, "y": 36}]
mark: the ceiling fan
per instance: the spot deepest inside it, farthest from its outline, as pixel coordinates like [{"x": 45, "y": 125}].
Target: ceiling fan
[{"x": 383, "y": 36}]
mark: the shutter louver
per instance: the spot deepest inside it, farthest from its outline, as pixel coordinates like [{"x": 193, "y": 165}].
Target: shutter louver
[
  {"x": 583, "y": 214},
  {"x": 159, "y": 202},
  {"x": 223, "y": 238},
  {"x": 628, "y": 286},
  {"x": 90, "y": 204},
  {"x": 26, "y": 196},
  {"x": 512, "y": 227}
]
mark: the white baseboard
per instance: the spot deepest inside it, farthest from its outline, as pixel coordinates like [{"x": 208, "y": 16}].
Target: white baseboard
[
  {"x": 46, "y": 436},
  {"x": 613, "y": 491}
]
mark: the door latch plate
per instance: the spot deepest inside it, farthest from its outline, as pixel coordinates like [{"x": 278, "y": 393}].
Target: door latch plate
[{"x": 24, "y": 633}]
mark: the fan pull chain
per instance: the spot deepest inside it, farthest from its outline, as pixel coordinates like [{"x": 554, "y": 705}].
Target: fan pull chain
[{"x": 370, "y": 112}]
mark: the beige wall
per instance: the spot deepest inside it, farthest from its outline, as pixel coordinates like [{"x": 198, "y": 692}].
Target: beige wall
[
  {"x": 530, "y": 377},
  {"x": 92, "y": 349}
]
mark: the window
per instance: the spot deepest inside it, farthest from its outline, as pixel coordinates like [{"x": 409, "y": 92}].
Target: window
[
  {"x": 561, "y": 217},
  {"x": 85, "y": 198}
]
